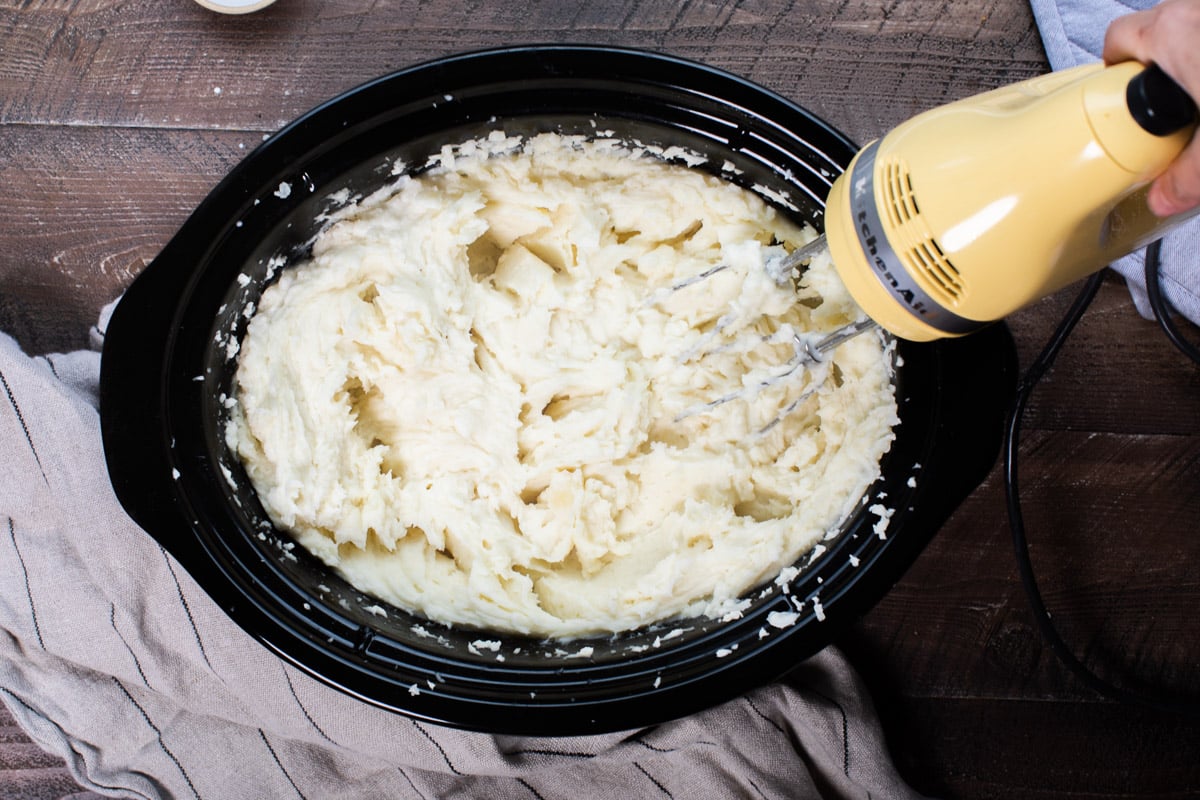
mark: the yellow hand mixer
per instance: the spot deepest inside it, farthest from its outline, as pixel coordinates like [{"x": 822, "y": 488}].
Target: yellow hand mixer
[{"x": 970, "y": 211}]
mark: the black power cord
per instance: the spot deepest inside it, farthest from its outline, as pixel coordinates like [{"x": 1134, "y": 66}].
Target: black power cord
[
  {"x": 1158, "y": 303},
  {"x": 1012, "y": 433}
]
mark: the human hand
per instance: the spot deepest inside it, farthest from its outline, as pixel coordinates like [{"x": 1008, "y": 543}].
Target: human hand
[{"x": 1167, "y": 35}]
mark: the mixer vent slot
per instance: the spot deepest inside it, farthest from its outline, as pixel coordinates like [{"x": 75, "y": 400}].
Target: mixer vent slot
[
  {"x": 924, "y": 254},
  {"x": 938, "y": 268},
  {"x": 900, "y": 201}
]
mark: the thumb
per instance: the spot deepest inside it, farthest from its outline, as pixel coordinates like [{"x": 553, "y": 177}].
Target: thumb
[{"x": 1178, "y": 188}]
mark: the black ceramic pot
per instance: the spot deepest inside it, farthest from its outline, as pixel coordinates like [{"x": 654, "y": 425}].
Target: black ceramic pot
[{"x": 166, "y": 369}]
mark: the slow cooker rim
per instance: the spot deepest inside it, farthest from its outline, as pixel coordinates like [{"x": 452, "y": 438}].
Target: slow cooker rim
[{"x": 549, "y": 715}]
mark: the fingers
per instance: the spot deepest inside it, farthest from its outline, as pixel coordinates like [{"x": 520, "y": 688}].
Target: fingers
[
  {"x": 1178, "y": 189},
  {"x": 1127, "y": 37},
  {"x": 1166, "y": 35}
]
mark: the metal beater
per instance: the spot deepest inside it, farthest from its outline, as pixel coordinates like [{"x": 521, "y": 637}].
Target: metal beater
[{"x": 970, "y": 211}]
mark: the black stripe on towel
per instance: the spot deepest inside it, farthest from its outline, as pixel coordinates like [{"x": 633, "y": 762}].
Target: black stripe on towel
[
  {"x": 561, "y": 753},
  {"x": 845, "y": 731},
  {"x": 158, "y": 732},
  {"x": 186, "y": 608},
  {"x": 21, "y": 419},
  {"x": 641, "y": 739},
  {"x": 436, "y": 744},
  {"x": 532, "y": 790},
  {"x": 37, "y": 629},
  {"x": 653, "y": 780},
  {"x": 112, "y": 620},
  {"x": 420, "y": 794},
  {"x": 304, "y": 710},
  {"x": 279, "y": 764},
  {"x": 760, "y": 713}
]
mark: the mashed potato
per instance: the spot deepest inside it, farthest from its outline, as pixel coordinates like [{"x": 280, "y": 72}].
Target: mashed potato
[{"x": 483, "y": 401}]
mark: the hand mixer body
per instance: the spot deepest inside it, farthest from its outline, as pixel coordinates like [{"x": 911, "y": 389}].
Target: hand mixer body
[{"x": 970, "y": 211}]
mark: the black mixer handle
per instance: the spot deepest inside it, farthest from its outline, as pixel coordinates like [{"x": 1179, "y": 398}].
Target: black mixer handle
[{"x": 1158, "y": 103}]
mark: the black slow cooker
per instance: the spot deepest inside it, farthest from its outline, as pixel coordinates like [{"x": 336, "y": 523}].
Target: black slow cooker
[{"x": 167, "y": 369}]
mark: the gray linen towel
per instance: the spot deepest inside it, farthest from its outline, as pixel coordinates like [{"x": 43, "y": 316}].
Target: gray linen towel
[
  {"x": 1073, "y": 34},
  {"x": 114, "y": 659}
]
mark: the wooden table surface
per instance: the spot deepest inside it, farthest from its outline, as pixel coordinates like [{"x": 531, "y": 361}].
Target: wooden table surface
[{"x": 118, "y": 116}]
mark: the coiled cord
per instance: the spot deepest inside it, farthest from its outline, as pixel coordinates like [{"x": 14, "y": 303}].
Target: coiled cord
[{"x": 1025, "y": 387}]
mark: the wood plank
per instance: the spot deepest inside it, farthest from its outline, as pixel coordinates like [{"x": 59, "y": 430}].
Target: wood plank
[
  {"x": 131, "y": 65},
  {"x": 27, "y": 772},
  {"x": 974, "y": 703},
  {"x": 103, "y": 62},
  {"x": 86, "y": 209},
  {"x": 42, "y": 783},
  {"x": 1110, "y": 522},
  {"x": 983, "y": 749},
  {"x": 1117, "y": 372}
]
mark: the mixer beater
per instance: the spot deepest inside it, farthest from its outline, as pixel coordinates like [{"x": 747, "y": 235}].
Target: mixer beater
[{"x": 970, "y": 211}]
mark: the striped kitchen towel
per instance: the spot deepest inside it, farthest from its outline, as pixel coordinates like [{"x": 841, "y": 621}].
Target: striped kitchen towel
[{"x": 114, "y": 659}]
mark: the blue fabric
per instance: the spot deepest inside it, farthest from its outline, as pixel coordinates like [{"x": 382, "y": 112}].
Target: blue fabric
[
  {"x": 1073, "y": 30},
  {"x": 1073, "y": 34}
]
